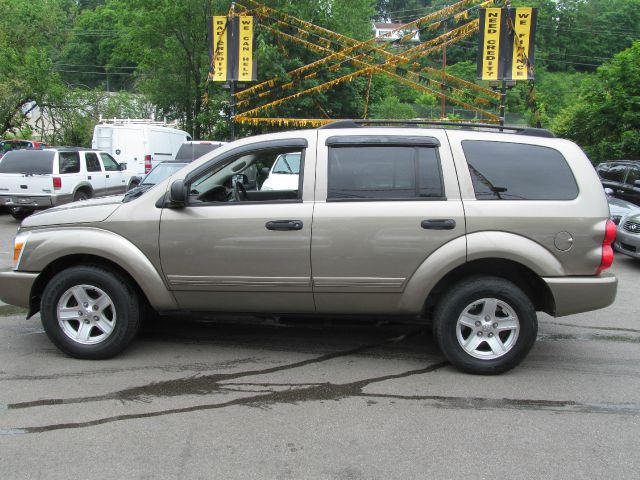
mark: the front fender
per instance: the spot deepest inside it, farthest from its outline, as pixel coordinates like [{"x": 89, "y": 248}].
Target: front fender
[{"x": 48, "y": 245}]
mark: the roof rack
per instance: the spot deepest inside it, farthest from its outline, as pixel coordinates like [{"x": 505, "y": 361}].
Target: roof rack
[
  {"x": 137, "y": 121},
  {"x": 515, "y": 129}
]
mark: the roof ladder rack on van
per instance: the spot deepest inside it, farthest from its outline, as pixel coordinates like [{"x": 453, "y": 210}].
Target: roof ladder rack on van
[
  {"x": 137, "y": 121},
  {"x": 515, "y": 129}
]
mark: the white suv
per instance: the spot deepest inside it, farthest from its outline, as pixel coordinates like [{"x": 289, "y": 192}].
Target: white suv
[{"x": 37, "y": 179}]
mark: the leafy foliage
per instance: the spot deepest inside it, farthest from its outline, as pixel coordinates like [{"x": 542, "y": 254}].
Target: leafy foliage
[{"x": 605, "y": 119}]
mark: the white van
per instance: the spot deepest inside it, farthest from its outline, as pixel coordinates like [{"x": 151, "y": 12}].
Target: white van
[{"x": 141, "y": 144}]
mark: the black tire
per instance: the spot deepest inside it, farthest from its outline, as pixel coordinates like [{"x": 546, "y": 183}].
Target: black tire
[
  {"x": 81, "y": 195},
  {"x": 20, "y": 213},
  {"x": 456, "y": 301},
  {"x": 123, "y": 296}
]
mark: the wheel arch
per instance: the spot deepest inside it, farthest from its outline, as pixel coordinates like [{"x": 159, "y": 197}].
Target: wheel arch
[
  {"x": 523, "y": 277},
  {"x": 49, "y": 252},
  {"x": 85, "y": 186}
]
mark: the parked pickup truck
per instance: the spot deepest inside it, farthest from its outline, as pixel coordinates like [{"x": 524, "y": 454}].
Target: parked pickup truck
[
  {"x": 37, "y": 179},
  {"x": 469, "y": 230}
]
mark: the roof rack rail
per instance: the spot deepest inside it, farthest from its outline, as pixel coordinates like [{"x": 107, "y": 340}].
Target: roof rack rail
[
  {"x": 137, "y": 121},
  {"x": 515, "y": 129}
]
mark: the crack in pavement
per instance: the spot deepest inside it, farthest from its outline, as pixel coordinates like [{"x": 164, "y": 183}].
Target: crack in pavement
[
  {"x": 196, "y": 385},
  {"x": 590, "y": 327},
  {"x": 320, "y": 392}
]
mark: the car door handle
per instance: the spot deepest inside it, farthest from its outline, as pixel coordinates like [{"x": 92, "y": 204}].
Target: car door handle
[
  {"x": 438, "y": 224},
  {"x": 107, "y": 176},
  {"x": 281, "y": 225},
  {"x": 89, "y": 177}
]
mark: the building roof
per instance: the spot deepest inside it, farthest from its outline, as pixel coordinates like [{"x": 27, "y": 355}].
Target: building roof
[{"x": 390, "y": 26}]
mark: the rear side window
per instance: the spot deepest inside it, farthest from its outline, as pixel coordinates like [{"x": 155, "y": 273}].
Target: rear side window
[
  {"x": 613, "y": 173},
  {"x": 384, "y": 173},
  {"x": 634, "y": 175},
  {"x": 69, "y": 162},
  {"x": 516, "y": 171},
  {"x": 37, "y": 162},
  {"x": 93, "y": 164}
]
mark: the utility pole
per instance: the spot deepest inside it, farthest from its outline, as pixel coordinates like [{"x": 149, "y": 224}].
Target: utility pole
[{"x": 443, "y": 101}]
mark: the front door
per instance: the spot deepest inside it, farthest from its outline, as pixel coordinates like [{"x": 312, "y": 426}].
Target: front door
[
  {"x": 116, "y": 180},
  {"x": 241, "y": 250}
]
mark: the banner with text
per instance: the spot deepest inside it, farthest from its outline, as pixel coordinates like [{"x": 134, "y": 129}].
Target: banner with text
[
  {"x": 231, "y": 49},
  {"x": 506, "y": 43}
]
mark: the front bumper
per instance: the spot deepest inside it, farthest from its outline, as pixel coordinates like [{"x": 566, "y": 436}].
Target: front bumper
[
  {"x": 582, "y": 294},
  {"x": 34, "y": 202},
  {"x": 15, "y": 287},
  {"x": 628, "y": 243}
]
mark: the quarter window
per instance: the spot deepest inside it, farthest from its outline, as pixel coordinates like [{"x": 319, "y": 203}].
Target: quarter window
[
  {"x": 384, "y": 173},
  {"x": 69, "y": 162},
  {"x": 516, "y": 171}
]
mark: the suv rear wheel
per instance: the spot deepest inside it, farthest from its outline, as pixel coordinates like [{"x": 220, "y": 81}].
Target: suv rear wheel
[
  {"x": 485, "y": 325},
  {"x": 89, "y": 312}
]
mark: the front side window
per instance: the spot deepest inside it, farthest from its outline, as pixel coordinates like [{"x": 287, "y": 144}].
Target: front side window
[
  {"x": 110, "y": 165},
  {"x": 633, "y": 175},
  {"x": 384, "y": 173},
  {"x": 516, "y": 171},
  {"x": 69, "y": 162},
  {"x": 250, "y": 177}
]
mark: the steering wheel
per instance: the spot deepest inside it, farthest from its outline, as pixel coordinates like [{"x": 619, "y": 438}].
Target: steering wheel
[{"x": 239, "y": 192}]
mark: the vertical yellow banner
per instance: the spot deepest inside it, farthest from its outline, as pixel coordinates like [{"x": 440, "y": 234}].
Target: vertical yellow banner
[
  {"x": 245, "y": 50},
  {"x": 220, "y": 47},
  {"x": 522, "y": 36},
  {"x": 491, "y": 43}
]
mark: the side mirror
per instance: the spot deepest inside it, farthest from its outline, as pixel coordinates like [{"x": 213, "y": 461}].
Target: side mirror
[
  {"x": 264, "y": 171},
  {"x": 122, "y": 166},
  {"x": 608, "y": 191},
  {"x": 242, "y": 178},
  {"x": 178, "y": 194}
]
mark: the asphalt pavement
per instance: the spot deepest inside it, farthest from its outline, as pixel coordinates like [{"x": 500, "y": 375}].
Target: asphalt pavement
[{"x": 248, "y": 399}]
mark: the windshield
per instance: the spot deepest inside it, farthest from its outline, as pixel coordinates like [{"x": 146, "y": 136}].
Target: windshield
[
  {"x": 287, "y": 163},
  {"x": 162, "y": 171},
  {"x": 36, "y": 162}
]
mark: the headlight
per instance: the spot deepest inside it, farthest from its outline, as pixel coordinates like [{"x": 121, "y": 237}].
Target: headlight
[{"x": 18, "y": 247}]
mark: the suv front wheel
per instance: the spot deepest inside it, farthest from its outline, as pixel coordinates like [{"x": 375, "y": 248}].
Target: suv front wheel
[
  {"x": 89, "y": 312},
  {"x": 485, "y": 325}
]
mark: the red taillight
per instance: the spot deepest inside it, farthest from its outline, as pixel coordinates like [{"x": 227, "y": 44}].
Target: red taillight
[
  {"x": 147, "y": 163},
  {"x": 57, "y": 183},
  {"x": 607, "y": 250}
]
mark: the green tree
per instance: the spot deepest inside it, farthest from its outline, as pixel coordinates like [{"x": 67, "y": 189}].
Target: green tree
[
  {"x": 32, "y": 33},
  {"x": 605, "y": 119},
  {"x": 392, "y": 107}
]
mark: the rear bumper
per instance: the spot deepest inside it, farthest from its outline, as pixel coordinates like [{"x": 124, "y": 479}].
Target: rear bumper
[
  {"x": 15, "y": 287},
  {"x": 582, "y": 294},
  {"x": 34, "y": 202}
]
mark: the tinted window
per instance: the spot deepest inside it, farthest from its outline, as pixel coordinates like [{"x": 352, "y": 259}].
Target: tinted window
[
  {"x": 190, "y": 151},
  {"x": 378, "y": 172},
  {"x": 614, "y": 173},
  {"x": 633, "y": 175},
  {"x": 110, "y": 165},
  {"x": 515, "y": 171},
  {"x": 69, "y": 162},
  {"x": 37, "y": 162},
  {"x": 93, "y": 164}
]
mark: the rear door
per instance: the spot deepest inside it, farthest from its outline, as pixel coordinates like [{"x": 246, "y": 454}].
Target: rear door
[
  {"x": 26, "y": 173},
  {"x": 385, "y": 201},
  {"x": 130, "y": 147},
  {"x": 95, "y": 174}
]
